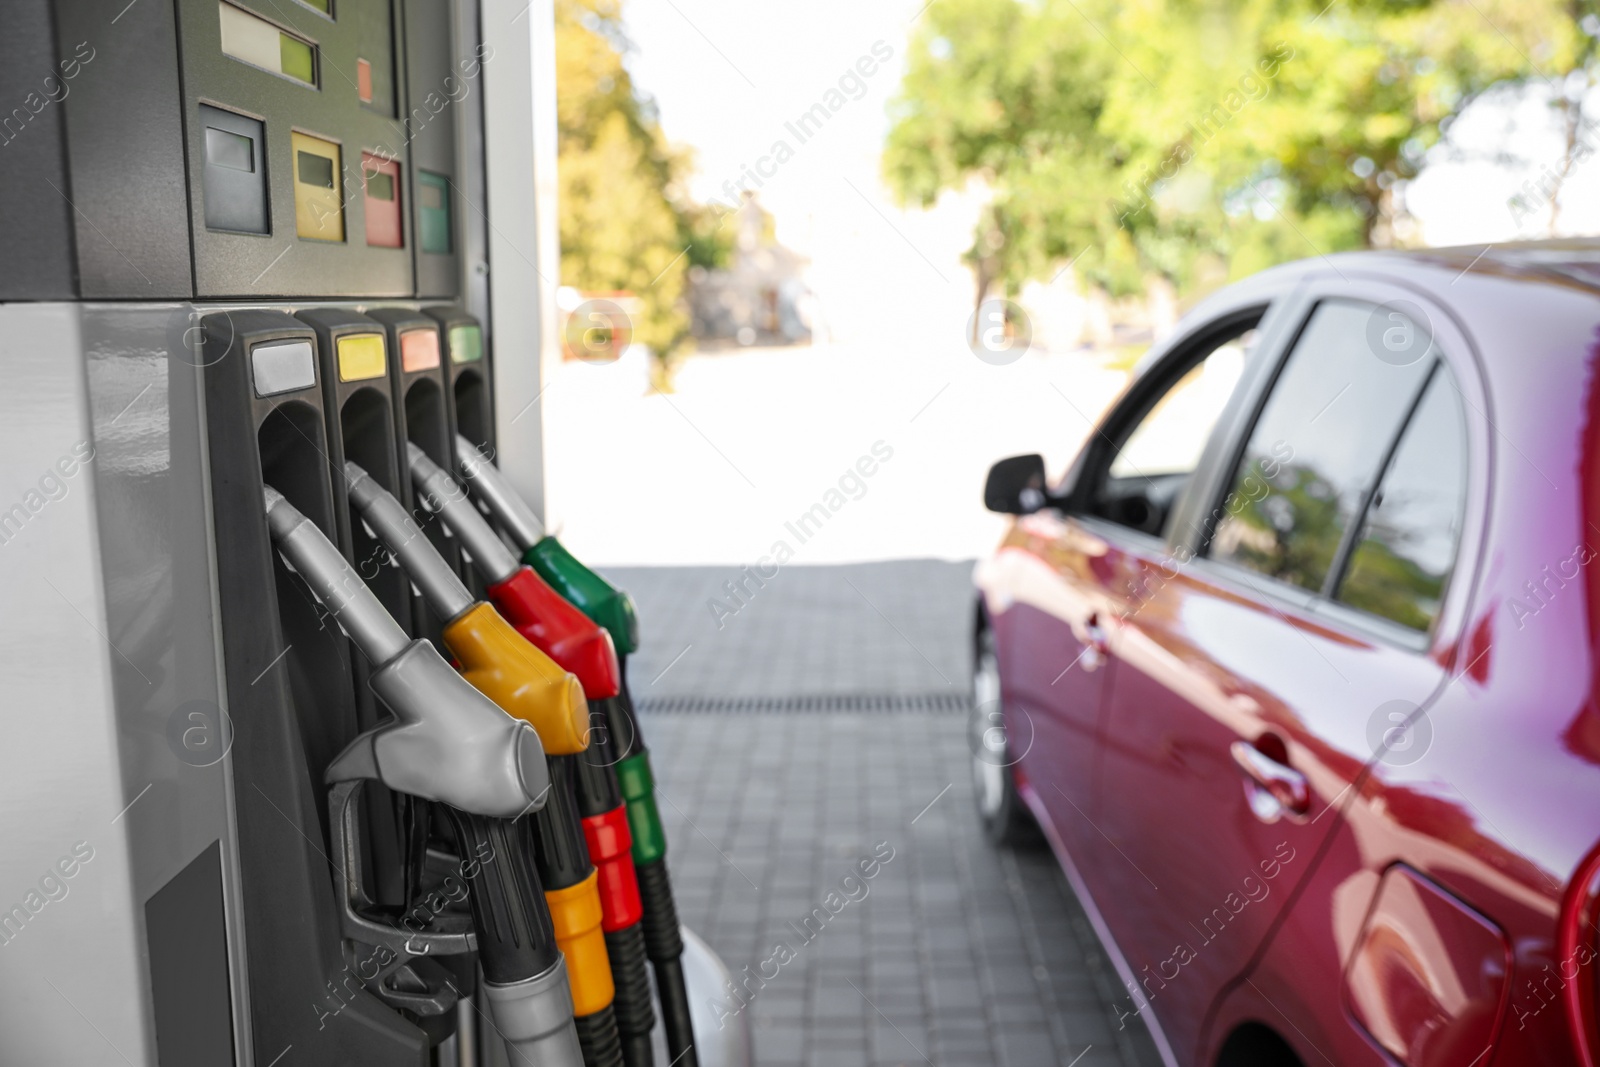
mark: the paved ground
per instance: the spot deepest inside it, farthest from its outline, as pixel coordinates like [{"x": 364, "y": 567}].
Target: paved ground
[
  {"x": 879, "y": 628},
  {"x": 953, "y": 953}
]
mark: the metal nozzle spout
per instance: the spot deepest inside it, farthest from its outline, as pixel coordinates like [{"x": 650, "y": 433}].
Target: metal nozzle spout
[
  {"x": 444, "y": 495},
  {"x": 333, "y": 581},
  {"x": 512, "y": 512},
  {"x": 535, "y": 1016},
  {"x": 440, "y": 586}
]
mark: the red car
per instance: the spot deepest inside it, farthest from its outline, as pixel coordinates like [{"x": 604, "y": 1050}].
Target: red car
[{"x": 1296, "y": 666}]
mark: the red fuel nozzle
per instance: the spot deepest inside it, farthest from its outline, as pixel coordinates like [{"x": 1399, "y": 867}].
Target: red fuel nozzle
[{"x": 560, "y": 631}]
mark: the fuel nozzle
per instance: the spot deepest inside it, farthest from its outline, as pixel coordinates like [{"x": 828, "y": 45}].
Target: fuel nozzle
[
  {"x": 548, "y": 619},
  {"x": 500, "y": 663},
  {"x": 448, "y": 742},
  {"x": 495, "y": 658},
  {"x": 608, "y": 606},
  {"x": 537, "y": 611},
  {"x": 613, "y": 610}
]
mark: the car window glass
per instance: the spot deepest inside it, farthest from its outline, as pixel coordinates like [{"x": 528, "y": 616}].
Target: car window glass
[
  {"x": 1170, "y": 438},
  {"x": 1407, "y": 547},
  {"x": 1316, "y": 449},
  {"x": 1157, "y": 457}
]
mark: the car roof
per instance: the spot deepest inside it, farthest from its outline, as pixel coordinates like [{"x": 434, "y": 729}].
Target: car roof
[{"x": 1571, "y": 263}]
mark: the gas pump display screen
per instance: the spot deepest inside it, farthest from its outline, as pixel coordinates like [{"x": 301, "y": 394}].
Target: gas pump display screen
[
  {"x": 234, "y": 179},
  {"x": 316, "y": 170}
]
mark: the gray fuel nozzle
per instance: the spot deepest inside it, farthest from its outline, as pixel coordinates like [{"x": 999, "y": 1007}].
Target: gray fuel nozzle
[
  {"x": 490, "y": 486},
  {"x": 333, "y": 581},
  {"x": 445, "y": 495},
  {"x": 448, "y": 742},
  {"x": 441, "y": 587}
]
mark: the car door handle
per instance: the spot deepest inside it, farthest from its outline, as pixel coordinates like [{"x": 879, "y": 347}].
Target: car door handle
[
  {"x": 1274, "y": 787},
  {"x": 1096, "y": 634},
  {"x": 1094, "y": 641}
]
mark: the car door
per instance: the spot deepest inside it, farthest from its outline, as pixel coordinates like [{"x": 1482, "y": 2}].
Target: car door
[
  {"x": 1375, "y": 956},
  {"x": 1049, "y": 593},
  {"x": 1241, "y": 694}
]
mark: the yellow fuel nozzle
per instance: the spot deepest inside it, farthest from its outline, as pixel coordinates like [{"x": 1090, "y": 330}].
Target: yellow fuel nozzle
[
  {"x": 498, "y": 661},
  {"x": 503, "y": 666}
]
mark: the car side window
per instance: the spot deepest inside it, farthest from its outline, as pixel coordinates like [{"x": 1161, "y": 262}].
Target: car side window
[
  {"x": 1317, "y": 448},
  {"x": 1402, "y": 559},
  {"x": 1157, "y": 457}
]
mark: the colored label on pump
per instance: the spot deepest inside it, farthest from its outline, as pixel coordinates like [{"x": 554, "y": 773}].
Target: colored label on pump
[
  {"x": 252, "y": 39},
  {"x": 419, "y": 350},
  {"x": 283, "y": 367},
  {"x": 318, "y": 203},
  {"x": 361, "y": 357},
  {"x": 466, "y": 344},
  {"x": 433, "y": 196},
  {"x": 380, "y": 179}
]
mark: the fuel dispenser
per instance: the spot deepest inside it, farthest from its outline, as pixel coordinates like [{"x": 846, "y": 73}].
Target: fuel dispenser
[{"x": 246, "y": 249}]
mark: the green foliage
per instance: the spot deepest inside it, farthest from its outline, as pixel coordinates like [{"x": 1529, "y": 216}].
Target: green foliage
[
  {"x": 1168, "y": 136},
  {"x": 625, "y": 218},
  {"x": 1294, "y": 532},
  {"x": 1391, "y": 586}
]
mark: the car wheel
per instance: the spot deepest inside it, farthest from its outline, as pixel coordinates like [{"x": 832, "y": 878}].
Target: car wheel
[{"x": 1005, "y": 818}]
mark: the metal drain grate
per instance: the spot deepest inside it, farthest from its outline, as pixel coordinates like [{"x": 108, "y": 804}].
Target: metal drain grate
[{"x": 857, "y": 703}]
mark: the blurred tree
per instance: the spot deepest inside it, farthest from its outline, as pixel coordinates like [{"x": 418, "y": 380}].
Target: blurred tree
[
  {"x": 626, "y": 218},
  {"x": 1197, "y": 140}
]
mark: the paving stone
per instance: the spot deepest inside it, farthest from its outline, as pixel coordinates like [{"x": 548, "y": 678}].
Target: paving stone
[{"x": 958, "y": 955}]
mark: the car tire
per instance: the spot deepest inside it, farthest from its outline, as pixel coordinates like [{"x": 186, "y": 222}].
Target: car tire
[{"x": 1005, "y": 818}]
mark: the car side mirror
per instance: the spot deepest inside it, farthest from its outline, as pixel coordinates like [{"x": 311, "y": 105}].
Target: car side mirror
[{"x": 1016, "y": 486}]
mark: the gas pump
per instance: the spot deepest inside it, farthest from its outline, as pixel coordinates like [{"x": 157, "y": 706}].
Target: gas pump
[{"x": 256, "y": 241}]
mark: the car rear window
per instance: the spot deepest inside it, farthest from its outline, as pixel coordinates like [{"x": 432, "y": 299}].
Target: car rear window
[
  {"x": 1406, "y": 550},
  {"x": 1327, "y": 428}
]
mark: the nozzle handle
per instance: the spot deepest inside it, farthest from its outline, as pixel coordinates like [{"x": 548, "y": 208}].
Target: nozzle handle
[
  {"x": 441, "y": 587},
  {"x": 510, "y": 510},
  {"x": 335, "y": 583},
  {"x": 443, "y": 494},
  {"x": 516, "y": 940},
  {"x": 448, "y": 742},
  {"x": 422, "y": 931},
  {"x": 525, "y": 978},
  {"x": 597, "y": 598}
]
